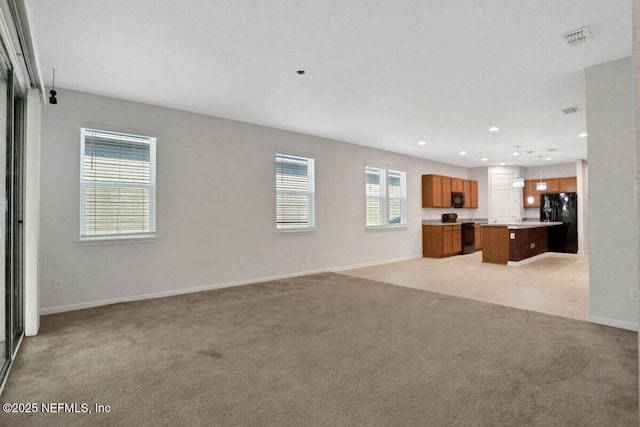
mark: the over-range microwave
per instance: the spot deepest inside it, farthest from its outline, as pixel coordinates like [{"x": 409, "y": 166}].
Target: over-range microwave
[{"x": 457, "y": 199}]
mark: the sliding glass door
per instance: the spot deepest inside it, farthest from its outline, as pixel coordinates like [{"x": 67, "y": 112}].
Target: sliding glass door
[
  {"x": 5, "y": 291},
  {"x": 15, "y": 216},
  {"x": 12, "y": 107}
]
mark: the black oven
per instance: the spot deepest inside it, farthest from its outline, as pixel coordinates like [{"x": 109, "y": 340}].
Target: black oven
[
  {"x": 457, "y": 199},
  {"x": 468, "y": 238}
]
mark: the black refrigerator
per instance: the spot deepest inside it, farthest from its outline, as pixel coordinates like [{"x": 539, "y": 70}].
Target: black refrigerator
[{"x": 561, "y": 207}]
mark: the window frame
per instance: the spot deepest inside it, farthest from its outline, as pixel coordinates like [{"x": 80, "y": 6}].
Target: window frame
[
  {"x": 309, "y": 193},
  {"x": 386, "y": 199},
  {"x": 150, "y": 186}
]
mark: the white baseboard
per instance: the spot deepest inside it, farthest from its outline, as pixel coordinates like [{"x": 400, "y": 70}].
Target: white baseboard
[
  {"x": 630, "y": 326},
  {"x": 140, "y": 297},
  {"x": 528, "y": 260},
  {"x": 370, "y": 264}
]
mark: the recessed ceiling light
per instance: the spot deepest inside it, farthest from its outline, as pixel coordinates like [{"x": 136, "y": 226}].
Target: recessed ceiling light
[
  {"x": 502, "y": 164},
  {"x": 484, "y": 159},
  {"x": 515, "y": 153},
  {"x": 494, "y": 129},
  {"x": 422, "y": 143},
  {"x": 583, "y": 134},
  {"x": 462, "y": 153},
  {"x": 548, "y": 158}
]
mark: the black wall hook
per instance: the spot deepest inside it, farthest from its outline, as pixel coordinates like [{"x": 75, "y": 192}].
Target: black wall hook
[{"x": 52, "y": 92}]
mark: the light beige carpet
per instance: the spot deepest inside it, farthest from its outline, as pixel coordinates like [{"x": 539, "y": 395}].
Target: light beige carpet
[
  {"x": 557, "y": 284},
  {"x": 325, "y": 350}
]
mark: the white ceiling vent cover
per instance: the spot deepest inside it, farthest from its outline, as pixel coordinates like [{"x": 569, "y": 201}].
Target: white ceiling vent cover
[
  {"x": 570, "y": 110},
  {"x": 578, "y": 36}
]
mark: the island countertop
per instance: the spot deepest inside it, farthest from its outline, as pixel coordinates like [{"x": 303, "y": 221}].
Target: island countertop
[{"x": 522, "y": 225}]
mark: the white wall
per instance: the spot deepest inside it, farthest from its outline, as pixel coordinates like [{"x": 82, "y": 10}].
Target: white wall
[
  {"x": 636, "y": 69},
  {"x": 32, "y": 213},
  {"x": 582, "y": 170},
  {"x": 552, "y": 171},
  {"x": 613, "y": 218},
  {"x": 215, "y": 204}
]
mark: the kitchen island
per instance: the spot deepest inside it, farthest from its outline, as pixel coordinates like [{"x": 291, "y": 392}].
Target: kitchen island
[{"x": 515, "y": 243}]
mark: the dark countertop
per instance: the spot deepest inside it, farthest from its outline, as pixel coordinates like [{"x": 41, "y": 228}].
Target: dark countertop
[
  {"x": 524, "y": 224},
  {"x": 460, "y": 221}
]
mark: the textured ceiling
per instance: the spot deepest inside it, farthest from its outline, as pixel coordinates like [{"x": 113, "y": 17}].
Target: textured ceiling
[{"x": 378, "y": 73}]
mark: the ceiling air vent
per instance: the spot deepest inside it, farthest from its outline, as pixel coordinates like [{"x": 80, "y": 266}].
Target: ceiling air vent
[
  {"x": 578, "y": 36},
  {"x": 570, "y": 110}
]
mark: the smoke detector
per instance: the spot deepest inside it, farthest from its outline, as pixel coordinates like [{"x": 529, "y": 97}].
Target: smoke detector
[{"x": 576, "y": 37}]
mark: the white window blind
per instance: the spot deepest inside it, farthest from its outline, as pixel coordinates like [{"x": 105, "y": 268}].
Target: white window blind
[
  {"x": 375, "y": 193},
  {"x": 397, "y": 197},
  {"x": 294, "y": 193},
  {"x": 385, "y": 192},
  {"x": 117, "y": 184}
]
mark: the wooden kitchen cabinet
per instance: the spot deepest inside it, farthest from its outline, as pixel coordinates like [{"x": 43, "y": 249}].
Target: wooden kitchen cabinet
[
  {"x": 553, "y": 185},
  {"x": 457, "y": 184},
  {"x": 471, "y": 193},
  {"x": 447, "y": 240},
  {"x": 567, "y": 184},
  {"x": 436, "y": 191},
  {"x": 495, "y": 245},
  {"x": 530, "y": 190},
  {"x": 440, "y": 241},
  {"x": 478, "y": 237},
  {"x": 466, "y": 185},
  {"x": 432, "y": 191},
  {"x": 446, "y": 191},
  {"x": 456, "y": 239}
]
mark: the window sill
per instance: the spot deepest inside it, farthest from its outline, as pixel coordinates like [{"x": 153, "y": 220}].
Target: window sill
[
  {"x": 117, "y": 240},
  {"x": 387, "y": 227},
  {"x": 295, "y": 231}
]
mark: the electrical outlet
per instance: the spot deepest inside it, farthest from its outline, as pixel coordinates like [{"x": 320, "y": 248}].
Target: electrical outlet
[
  {"x": 57, "y": 284},
  {"x": 634, "y": 294}
]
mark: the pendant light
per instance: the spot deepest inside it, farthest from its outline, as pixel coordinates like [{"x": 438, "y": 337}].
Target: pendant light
[
  {"x": 530, "y": 199},
  {"x": 541, "y": 186},
  {"x": 518, "y": 182}
]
